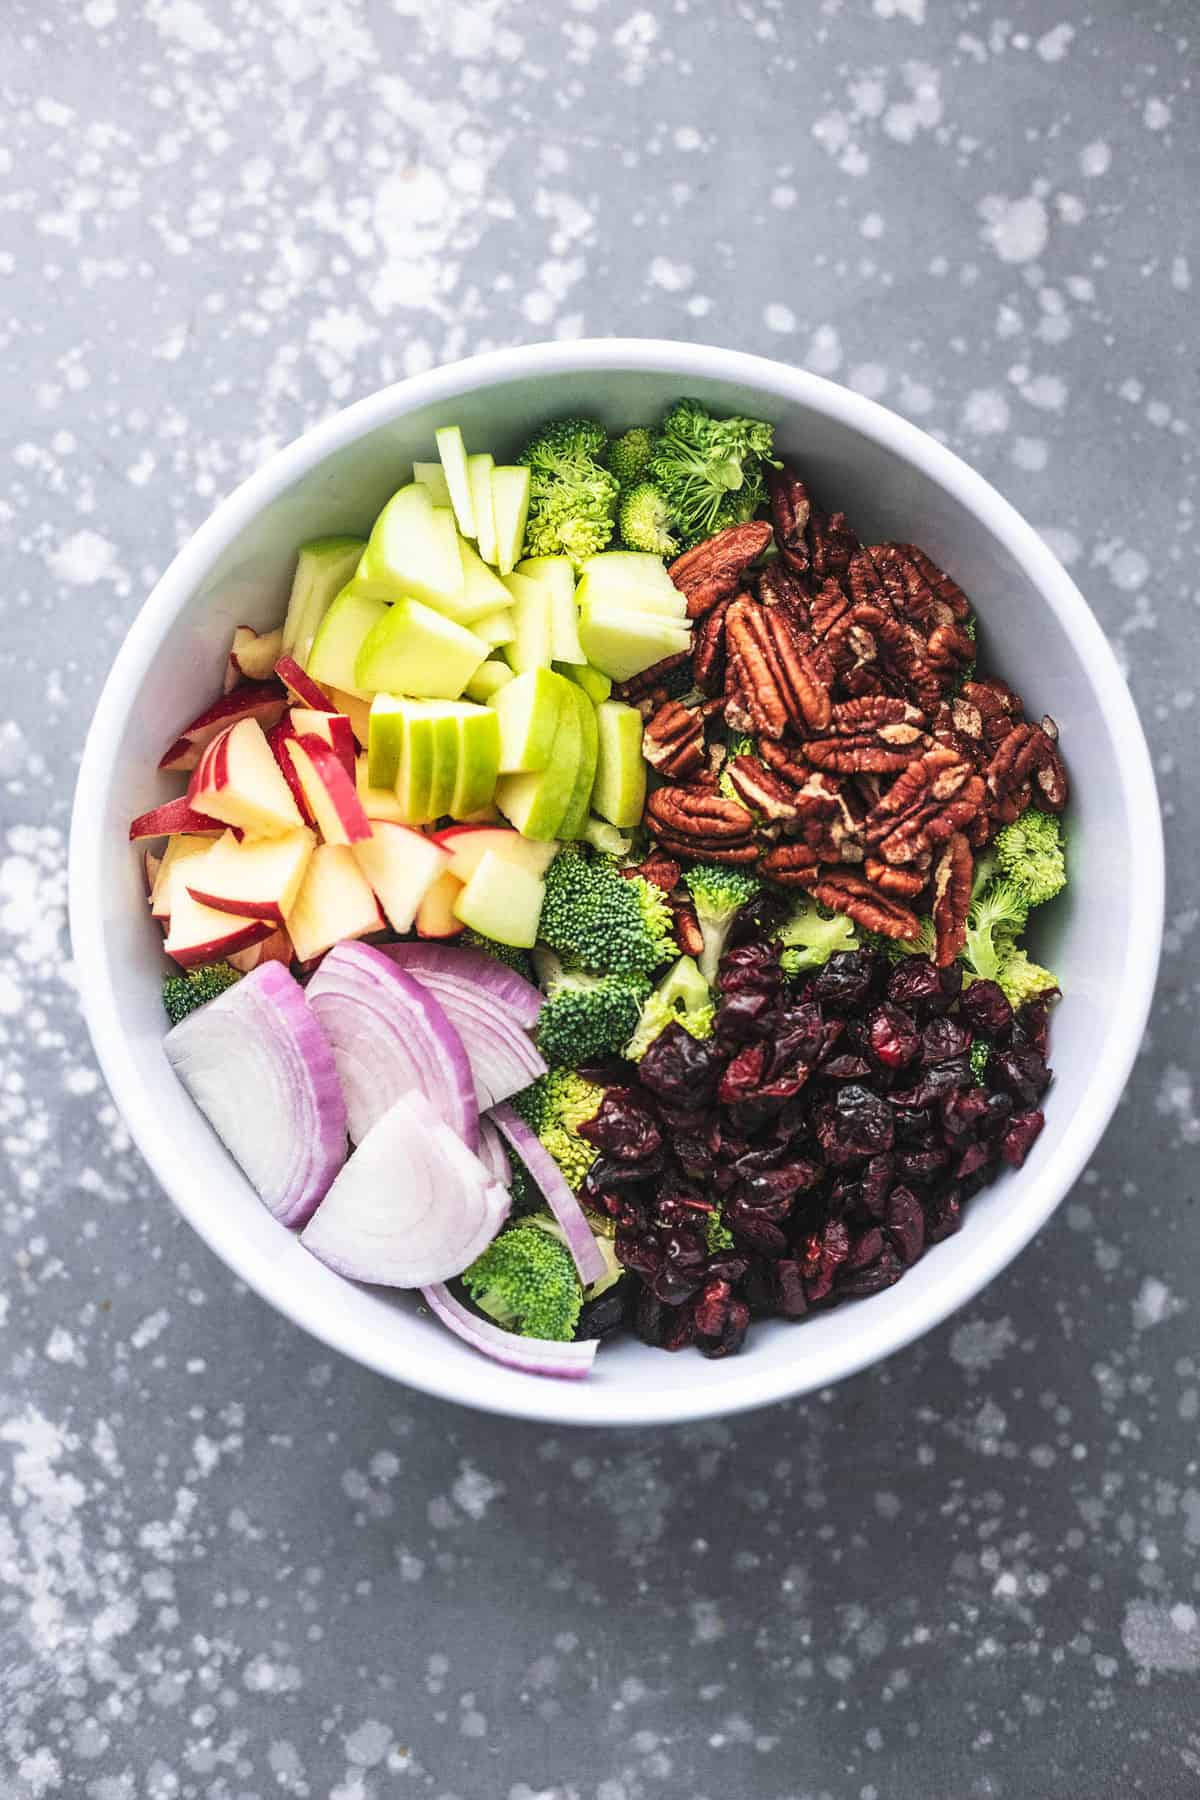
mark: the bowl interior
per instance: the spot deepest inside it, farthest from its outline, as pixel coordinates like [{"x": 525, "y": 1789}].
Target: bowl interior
[{"x": 893, "y": 482}]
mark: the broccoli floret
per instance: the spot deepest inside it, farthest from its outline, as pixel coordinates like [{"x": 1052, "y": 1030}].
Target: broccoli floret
[
  {"x": 526, "y": 1281},
  {"x": 505, "y": 953},
  {"x": 1030, "y": 853},
  {"x": 812, "y": 935},
  {"x": 994, "y": 922},
  {"x": 1022, "y": 980},
  {"x": 980, "y": 1051},
  {"x": 738, "y": 746},
  {"x": 629, "y": 454},
  {"x": 572, "y": 497},
  {"x": 588, "y": 1017},
  {"x": 555, "y": 1107},
  {"x": 708, "y": 469},
  {"x": 182, "y": 994},
  {"x": 682, "y": 997},
  {"x": 645, "y": 521},
  {"x": 598, "y": 919},
  {"x": 717, "y": 892},
  {"x": 717, "y": 1233}
]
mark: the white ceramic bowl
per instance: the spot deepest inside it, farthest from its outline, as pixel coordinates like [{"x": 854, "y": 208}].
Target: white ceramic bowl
[{"x": 895, "y": 482}]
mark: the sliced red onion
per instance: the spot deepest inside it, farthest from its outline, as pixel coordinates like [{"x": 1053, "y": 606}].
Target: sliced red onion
[
  {"x": 490, "y": 1006},
  {"x": 581, "y": 1241},
  {"x": 257, "y": 1064},
  {"x": 492, "y": 1153},
  {"x": 390, "y": 1037},
  {"x": 411, "y": 1206},
  {"x": 532, "y": 1356}
]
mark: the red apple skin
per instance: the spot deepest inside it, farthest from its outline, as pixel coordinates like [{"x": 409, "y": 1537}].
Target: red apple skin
[
  {"x": 214, "y": 949},
  {"x": 335, "y": 729},
  {"x": 278, "y": 737},
  {"x": 269, "y": 910},
  {"x": 435, "y": 915},
  {"x": 302, "y": 687},
  {"x": 276, "y": 948},
  {"x": 261, "y": 700},
  {"x": 174, "y": 816},
  {"x": 343, "y": 794}
]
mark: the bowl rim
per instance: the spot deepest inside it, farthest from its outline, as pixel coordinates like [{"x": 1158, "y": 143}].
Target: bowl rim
[{"x": 534, "y": 1397}]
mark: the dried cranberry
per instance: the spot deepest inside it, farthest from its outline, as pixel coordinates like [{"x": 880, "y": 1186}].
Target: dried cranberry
[
  {"x": 604, "y": 1315},
  {"x": 943, "y": 1215},
  {"x": 1023, "y": 1131},
  {"x": 863, "y": 1120},
  {"x": 858, "y": 1284},
  {"x": 678, "y": 1328},
  {"x": 846, "y": 981},
  {"x": 865, "y": 1249},
  {"x": 905, "y": 1225},
  {"x": 737, "y": 1323},
  {"x": 892, "y": 1036},
  {"x": 917, "y": 984},
  {"x": 798, "y": 1034},
  {"x": 823, "y": 1256},
  {"x": 975, "y": 1157},
  {"x": 743, "y": 1076},
  {"x": 730, "y": 1265},
  {"x": 942, "y": 1079},
  {"x": 712, "y": 1308},
  {"x": 753, "y": 968},
  {"x": 1031, "y": 1027},
  {"x": 942, "y": 1040},
  {"x": 743, "y": 1017},
  {"x": 921, "y": 1165},
  {"x": 999, "y": 1111},
  {"x": 964, "y": 1111},
  {"x": 847, "y": 1068},
  {"x": 624, "y": 1126},
  {"x": 986, "y": 1010},
  {"x": 1022, "y": 1073},
  {"x": 790, "y": 1299},
  {"x": 754, "y": 1228},
  {"x": 681, "y": 1068},
  {"x": 876, "y": 1184},
  {"x": 650, "y": 1318}
]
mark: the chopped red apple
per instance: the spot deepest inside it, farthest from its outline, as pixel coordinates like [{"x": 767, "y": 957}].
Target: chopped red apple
[
  {"x": 303, "y": 689},
  {"x": 258, "y": 879},
  {"x": 356, "y": 709},
  {"x": 252, "y": 656},
  {"x": 335, "y": 902},
  {"x": 329, "y": 790},
  {"x": 378, "y": 802},
  {"x": 151, "y": 864},
  {"x": 278, "y": 737},
  {"x": 174, "y": 816},
  {"x": 276, "y": 948},
  {"x": 179, "y": 850},
  {"x": 435, "y": 915},
  {"x": 200, "y": 934},
  {"x": 238, "y": 781},
  {"x": 469, "y": 844},
  {"x": 333, "y": 727},
  {"x": 401, "y": 865},
  {"x": 260, "y": 700}
]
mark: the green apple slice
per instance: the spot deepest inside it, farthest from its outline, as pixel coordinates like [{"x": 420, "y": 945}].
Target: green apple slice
[
  {"x": 502, "y": 901},
  {"x": 495, "y": 628},
  {"x": 631, "y": 599},
  {"x": 445, "y": 758},
  {"x": 479, "y": 473},
  {"x": 414, "y": 650},
  {"x": 596, "y": 686},
  {"x": 510, "y": 502},
  {"x": 385, "y": 736},
  {"x": 433, "y": 477},
  {"x": 535, "y": 803},
  {"x": 557, "y": 575},
  {"x": 340, "y": 637},
  {"x": 453, "y": 454},
  {"x": 532, "y": 645},
  {"x": 487, "y": 680},
  {"x": 412, "y": 552},
  {"x": 414, "y": 773},
  {"x": 628, "y": 569},
  {"x": 477, "y": 757},
  {"x": 575, "y": 817},
  {"x": 483, "y": 591},
  {"x": 622, "y": 644},
  {"x": 619, "y": 794},
  {"x": 527, "y": 710},
  {"x": 322, "y": 570}
]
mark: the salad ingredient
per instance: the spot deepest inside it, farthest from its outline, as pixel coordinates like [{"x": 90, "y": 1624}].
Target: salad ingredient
[
  {"x": 596, "y": 686},
  {"x": 718, "y": 892},
  {"x": 330, "y": 794},
  {"x": 1022, "y": 980},
  {"x": 572, "y": 497},
  {"x": 557, "y": 575},
  {"x": 526, "y": 1281},
  {"x": 811, "y": 934},
  {"x": 276, "y": 948},
  {"x": 682, "y": 997},
  {"x": 531, "y": 645},
  {"x": 466, "y": 846},
  {"x": 537, "y": 802},
  {"x": 300, "y": 685},
  {"x": 489, "y": 678},
  {"x": 179, "y": 850},
  {"x": 413, "y": 649},
  {"x": 479, "y": 471},
  {"x": 502, "y": 900},
  {"x": 255, "y": 1061},
  {"x": 575, "y": 816},
  {"x": 709, "y": 470},
  {"x": 237, "y": 780},
  {"x": 323, "y": 569},
  {"x": 554, "y": 1108},
  {"x": 530, "y": 1356},
  {"x": 432, "y": 475},
  {"x": 600, "y": 919},
  {"x": 412, "y": 1205},
  {"x": 252, "y": 655},
  {"x": 335, "y": 902},
  {"x": 493, "y": 1155},
  {"x": 995, "y": 920},
  {"x": 260, "y": 700},
  {"x": 333, "y": 729},
  {"x": 182, "y": 994},
  {"x": 621, "y": 642},
  {"x": 453, "y": 454},
  {"x": 645, "y": 520},
  {"x": 527, "y": 710},
  {"x": 490, "y": 1006},
  {"x": 629, "y": 455},
  {"x": 587, "y": 1017},
  {"x": 350, "y": 620},
  {"x": 258, "y": 878},
  {"x": 412, "y": 553},
  {"x": 400, "y": 865},
  {"x": 1030, "y": 853},
  {"x": 390, "y": 1035},
  {"x": 606, "y": 838},
  {"x": 173, "y": 816},
  {"x": 200, "y": 934},
  {"x": 510, "y": 511},
  {"x": 435, "y": 915},
  {"x": 580, "y": 1242}
]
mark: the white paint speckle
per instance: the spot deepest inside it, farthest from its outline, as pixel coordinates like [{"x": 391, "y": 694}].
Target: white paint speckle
[{"x": 1018, "y": 230}]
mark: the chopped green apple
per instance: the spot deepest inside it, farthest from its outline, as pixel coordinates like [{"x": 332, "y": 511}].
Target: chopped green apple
[
  {"x": 482, "y": 592},
  {"x": 503, "y": 902},
  {"x": 400, "y": 754},
  {"x": 510, "y": 503},
  {"x": 414, "y": 650},
  {"x": 478, "y": 767},
  {"x": 385, "y": 735},
  {"x": 412, "y": 552},
  {"x": 495, "y": 628},
  {"x": 479, "y": 472},
  {"x": 487, "y": 680},
  {"x": 433, "y": 476},
  {"x": 622, "y": 644},
  {"x": 536, "y": 802},
  {"x": 596, "y": 686},
  {"x": 445, "y": 757},
  {"x": 322, "y": 570},
  {"x": 557, "y": 575},
  {"x": 527, "y": 710},
  {"x": 619, "y": 794},
  {"x": 467, "y": 845},
  {"x": 628, "y": 568},
  {"x": 575, "y": 817},
  {"x": 342, "y": 632},
  {"x": 631, "y": 599},
  {"x": 532, "y": 645},
  {"x": 453, "y": 453},
  {"x": 335, "y": 902}
]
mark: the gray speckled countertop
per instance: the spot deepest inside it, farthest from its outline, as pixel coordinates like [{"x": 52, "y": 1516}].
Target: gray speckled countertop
[{"x": 231, "y": 1568}]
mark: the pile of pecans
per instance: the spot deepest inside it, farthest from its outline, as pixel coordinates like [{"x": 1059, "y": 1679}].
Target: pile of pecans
[{"x": 880, "y": 761}]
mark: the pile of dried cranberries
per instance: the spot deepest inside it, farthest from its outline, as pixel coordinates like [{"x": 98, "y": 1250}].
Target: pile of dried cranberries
[{"x": 835, "y": 1125}]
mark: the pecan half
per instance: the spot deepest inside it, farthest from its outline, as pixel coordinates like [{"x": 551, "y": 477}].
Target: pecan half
[
  {"x": 762, "y": 789},
  {"x": 851, "y": 894},
  {"x": 832, "y": 544},
  {"x": 944, "y": 588},
  {"x": 690, "y": 821},
  {"x": 883, "y": 752},
  {"x": 952, "y": 880},
  {"x": 663, "y": 871},
  {"x": 708, "y": 648},
  {"x": 688, "y": 934},
  {"x": 650, "y": 685},
  {"x": 791, "y": 508},
  {"x": 902, "y": 884},
  {"x": 872, "y": 711},
  {"x": 780, "y": 685},
  {"x": 792, "y": 865},
  {"x": 714, "y": 569},
  {"x": 830, "y": 603},
  {"x": 779, "y": 586},
  {"x": 1026, "y": 756},
  {"x": 673, "y": 741},
  {"x": 937, "y": 794}
]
